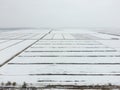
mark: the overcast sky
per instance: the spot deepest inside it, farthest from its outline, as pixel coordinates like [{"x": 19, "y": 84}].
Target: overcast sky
[{"x": 60, "y": 13}]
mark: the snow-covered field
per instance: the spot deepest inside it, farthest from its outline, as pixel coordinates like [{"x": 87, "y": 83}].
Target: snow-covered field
[{"x": 61, "y": 57}]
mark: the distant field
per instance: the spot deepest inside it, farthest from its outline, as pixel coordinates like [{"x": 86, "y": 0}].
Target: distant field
[{"x": 60, "y": 58}]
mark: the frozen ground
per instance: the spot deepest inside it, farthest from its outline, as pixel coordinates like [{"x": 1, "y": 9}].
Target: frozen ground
[{"x": 62, "y": 57}]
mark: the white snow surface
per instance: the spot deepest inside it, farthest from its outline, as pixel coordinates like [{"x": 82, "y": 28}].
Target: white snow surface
[{"x": 61, "y": 57}]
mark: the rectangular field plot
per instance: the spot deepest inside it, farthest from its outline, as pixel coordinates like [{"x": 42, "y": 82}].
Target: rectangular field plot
[
  {"x": 63, "y": 80},
  {"x": 68, "y": 69},
  {"x": 65, "y": 60}
]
